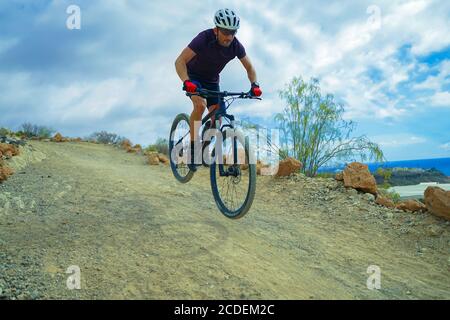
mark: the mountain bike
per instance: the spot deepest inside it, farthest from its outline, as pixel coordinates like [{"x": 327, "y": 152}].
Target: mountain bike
[{"x": 225, "y": 150}]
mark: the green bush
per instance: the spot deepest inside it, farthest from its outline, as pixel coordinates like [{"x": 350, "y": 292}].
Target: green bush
[
  {"x": 106, "y": 138},
  {"x": 32, "y": 130},
  {"x": 161, "y": 146},
  {"x": 5, "y": 132},
  {"x": 394, "y": 196}
]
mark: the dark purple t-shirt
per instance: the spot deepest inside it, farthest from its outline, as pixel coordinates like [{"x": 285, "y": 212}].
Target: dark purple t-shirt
[{"x": 211, "y": 57}]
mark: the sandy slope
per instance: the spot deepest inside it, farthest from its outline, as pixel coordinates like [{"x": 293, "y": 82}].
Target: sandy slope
[{"x": 135, "y": 232}]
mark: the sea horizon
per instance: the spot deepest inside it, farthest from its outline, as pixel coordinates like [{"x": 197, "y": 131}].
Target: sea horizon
[{"x": 441, "y": 164}]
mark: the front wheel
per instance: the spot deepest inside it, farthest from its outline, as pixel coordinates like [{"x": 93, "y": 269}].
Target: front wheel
[{"x": 233, "y": 174}]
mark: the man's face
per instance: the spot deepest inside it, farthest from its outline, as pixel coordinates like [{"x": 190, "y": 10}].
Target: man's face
[{"x": 224, "y": 36}]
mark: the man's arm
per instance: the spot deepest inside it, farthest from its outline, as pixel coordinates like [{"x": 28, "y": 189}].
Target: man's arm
[
  {"x": 180, "y": 64},
  {"x": 251, "y": 73}
]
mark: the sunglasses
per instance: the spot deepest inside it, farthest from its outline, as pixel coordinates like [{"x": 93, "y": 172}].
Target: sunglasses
[{"x": 227, "y": 32}]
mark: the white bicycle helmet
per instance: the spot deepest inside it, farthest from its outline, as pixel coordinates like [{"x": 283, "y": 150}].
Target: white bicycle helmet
[{"x": 227, "y": 19}]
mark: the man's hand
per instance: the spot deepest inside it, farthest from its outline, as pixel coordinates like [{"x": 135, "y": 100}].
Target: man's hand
[
  {"x": 255, "y": 90},
  {"x": 189, "y": 86}
]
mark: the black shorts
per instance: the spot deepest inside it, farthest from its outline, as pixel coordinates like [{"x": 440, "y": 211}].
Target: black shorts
[{"x": 209, "y": 86}]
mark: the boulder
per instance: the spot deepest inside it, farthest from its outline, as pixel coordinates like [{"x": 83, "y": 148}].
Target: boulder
[
  {"x": 126, "y": 144},
  {"x": 259, "y": 166},
  {"x": 288, "y": 166},
  {"x": 136, "y": 149},
  {"x": 411, "y": 205},
  {"x": 5, "y": 172},
  {"x": 437, "y": 201},
  {"x": 339, "y": 176},
  {"x": 163, "y": 158},
  {"x": 357, "y": 176},
  {"x": 58, "y": 138},
  {"x": 9, "y": 150},
  {"x": 8, "y": 154},
  {"x": 384, "y": 201},
  {"x": 153, "y": 158}
]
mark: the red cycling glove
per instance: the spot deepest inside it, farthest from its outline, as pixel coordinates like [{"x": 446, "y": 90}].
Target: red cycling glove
[
  {"x": 255, "y": 90},
  {"x": 189, "y": 86}
]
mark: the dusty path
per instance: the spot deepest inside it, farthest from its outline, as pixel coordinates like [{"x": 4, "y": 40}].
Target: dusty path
[{"x": 135, "y": 232}]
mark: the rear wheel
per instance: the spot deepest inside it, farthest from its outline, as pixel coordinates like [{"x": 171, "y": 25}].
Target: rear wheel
[
  {"x": 179, "y": 145},
  {"x": 233, "y": 180}
]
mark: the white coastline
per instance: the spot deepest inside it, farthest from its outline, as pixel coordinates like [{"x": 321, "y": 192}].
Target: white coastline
[{"x": 417, "y": 189}]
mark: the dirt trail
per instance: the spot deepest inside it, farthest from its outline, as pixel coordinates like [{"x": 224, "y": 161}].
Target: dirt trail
[{"x": 136, "y": 233}]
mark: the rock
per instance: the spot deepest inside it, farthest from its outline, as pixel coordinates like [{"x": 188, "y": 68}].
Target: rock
[
  {"x": 384, "y": 201},
  {"x": 437, "y": 201},
  {"x": 58, "y": 138},
  {"x": 163, "y": 158},
  {"x": 339, "y": 176},
  {"x": 137, "y": 148},
  {"x": 126, "y": 144},
  {"x": 356, "y": 175},
  {"x": 9, "y": 150},
  {"x": 153, "y": 158},
  {"x": 12, "y": 141},
  {"x": 5, "y": 172},
  {"x": 288, "y": 166},
  {"x": 411, "y": 205},
  {"x": 260, "y": 168}
]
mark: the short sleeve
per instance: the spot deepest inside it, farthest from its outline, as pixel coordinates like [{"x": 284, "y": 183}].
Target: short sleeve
[
  {"x": 240, "y": 50},
  {"x": 197, "y": 43}
]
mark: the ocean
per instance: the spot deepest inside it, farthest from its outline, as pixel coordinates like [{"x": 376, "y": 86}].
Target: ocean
[{"x": 441, "y": 164}]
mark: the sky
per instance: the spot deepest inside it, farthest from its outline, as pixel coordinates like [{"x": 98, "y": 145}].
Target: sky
[{"x": 388, "y": 62}]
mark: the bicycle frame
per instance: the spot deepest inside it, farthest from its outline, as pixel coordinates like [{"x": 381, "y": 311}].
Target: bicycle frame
[{"x": 220, "y": 113}]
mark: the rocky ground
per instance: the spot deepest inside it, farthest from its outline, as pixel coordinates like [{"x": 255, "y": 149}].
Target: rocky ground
[{"x": 136, "y": 233}]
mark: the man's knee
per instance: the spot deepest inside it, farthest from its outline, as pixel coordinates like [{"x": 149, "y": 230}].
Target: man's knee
[{"x": 199, "y": 106}]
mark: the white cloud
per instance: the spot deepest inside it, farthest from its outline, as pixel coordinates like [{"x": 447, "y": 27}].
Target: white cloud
[
  {"x": 398, "y": 140},
  {"x": 445, "y": 146},
  {"x": 441, "y": 99},
  {"x": 435, "y": 82},
  {"x": 331, "y": 41}
]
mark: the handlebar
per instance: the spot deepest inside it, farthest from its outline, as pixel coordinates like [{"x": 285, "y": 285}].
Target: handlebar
[{"x": 205, "y": 93}]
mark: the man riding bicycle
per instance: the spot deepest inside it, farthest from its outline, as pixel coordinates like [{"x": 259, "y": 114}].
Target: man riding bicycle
[{"x": 201, "y": 62}]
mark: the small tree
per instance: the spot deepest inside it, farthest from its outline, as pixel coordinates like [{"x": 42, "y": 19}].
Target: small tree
[
  {"x": 5, "y": 132},
  {"x": 106, "y": 137},
  {"x": 314, "y": 131},
  {"x": 161, "y": 146},
  {"x": 32, "y": 130}
]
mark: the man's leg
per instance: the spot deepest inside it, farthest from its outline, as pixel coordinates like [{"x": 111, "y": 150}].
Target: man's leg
[
  {"x": 213, "y": 118},
  {"x": 199, "y": 104}
]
